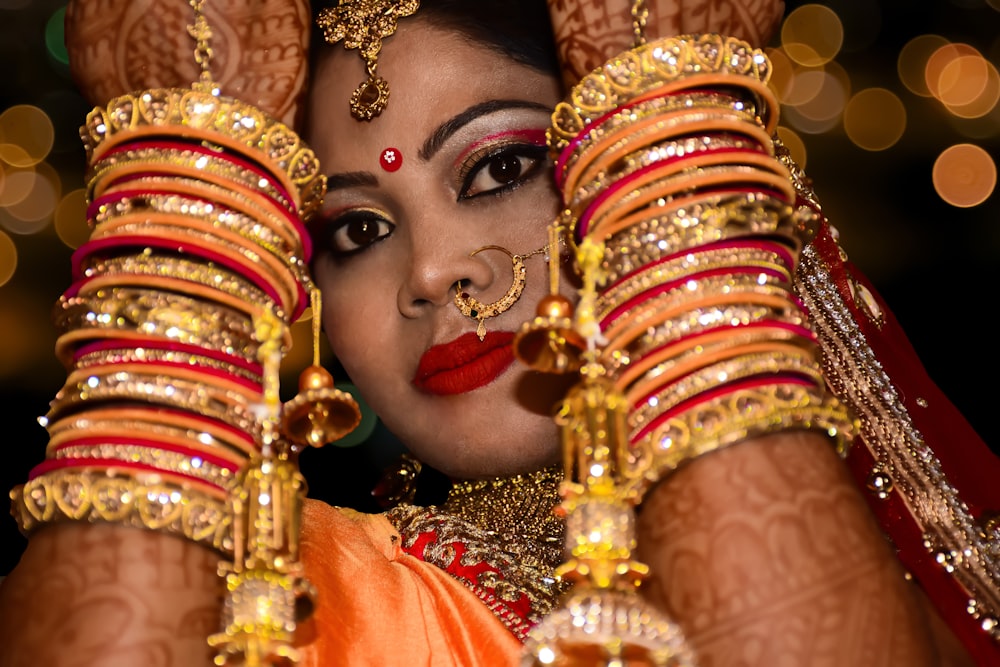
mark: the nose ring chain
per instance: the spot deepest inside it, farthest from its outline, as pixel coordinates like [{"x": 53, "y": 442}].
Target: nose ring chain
[{"x": 479, "y": 311}]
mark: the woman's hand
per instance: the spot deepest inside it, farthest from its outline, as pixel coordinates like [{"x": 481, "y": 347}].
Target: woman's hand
[
  {"x": 589, "y": 32},
  {"x": 259, "y": 49}
]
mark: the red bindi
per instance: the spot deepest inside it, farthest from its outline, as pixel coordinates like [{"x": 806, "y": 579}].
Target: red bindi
[{"x": 391, "y": 159}]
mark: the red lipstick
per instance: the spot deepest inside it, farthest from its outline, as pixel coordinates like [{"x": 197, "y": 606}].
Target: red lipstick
[{"x": 465, "y": 364}]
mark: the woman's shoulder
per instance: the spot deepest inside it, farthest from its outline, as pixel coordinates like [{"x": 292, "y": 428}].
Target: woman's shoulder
[{"x": 329, "y": 528}]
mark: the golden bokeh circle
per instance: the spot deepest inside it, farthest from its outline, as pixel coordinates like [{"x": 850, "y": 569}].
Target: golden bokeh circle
[
  {"x": 875, "y": 119},
  {"x": 795, "y": 145},
  {"x": 70, "y": 218},
  {"x": 911, "y": 64},
  {"x": 964, "y": 175},
  {"x": 8, "y": 258},
  {"x": 939, "y": 62},
  {"x": 986, "y": 98},
  {"x": 812, "y": 35},
  {"x": 29, "y": 127}
]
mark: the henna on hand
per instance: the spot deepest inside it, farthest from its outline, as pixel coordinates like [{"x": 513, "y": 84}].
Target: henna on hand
[
  {"x": 259, "y": 49},
  {"x": 589, "y": 32},
  {"x": 766, "y": 553},
  {"x": 110, "y": 595}
]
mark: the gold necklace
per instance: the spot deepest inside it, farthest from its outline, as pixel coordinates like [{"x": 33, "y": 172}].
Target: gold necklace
[{"x": 519, "y": 508}]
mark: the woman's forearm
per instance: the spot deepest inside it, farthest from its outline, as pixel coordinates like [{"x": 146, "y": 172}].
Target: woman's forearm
[
  {"x": 766, "y": 553},
  {"x": 95, "y": 593},
  {"x": 101, "y": 594},
  {"x": 588, "y": 33}
]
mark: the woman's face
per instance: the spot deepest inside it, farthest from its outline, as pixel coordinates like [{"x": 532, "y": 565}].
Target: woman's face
[{"x": 455, "y": 162}]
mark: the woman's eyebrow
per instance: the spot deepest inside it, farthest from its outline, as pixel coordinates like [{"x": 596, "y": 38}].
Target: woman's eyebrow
[
  {"x": 455, "y": 123},
  {"x": 348, "y": 179}
]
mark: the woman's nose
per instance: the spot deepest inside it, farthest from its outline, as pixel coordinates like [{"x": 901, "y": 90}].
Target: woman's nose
[{"x": 440, "y": 260}]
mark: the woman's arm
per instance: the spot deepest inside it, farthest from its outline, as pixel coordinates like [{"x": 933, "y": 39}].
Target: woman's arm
[
  {"x": 109, "y": 595},
  {"x": 106, "y": 594},
  {"x": 764, "y": 552}
]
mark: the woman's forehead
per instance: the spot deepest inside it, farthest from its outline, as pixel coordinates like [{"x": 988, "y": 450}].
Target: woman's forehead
[{"x": 432, "y": 73}]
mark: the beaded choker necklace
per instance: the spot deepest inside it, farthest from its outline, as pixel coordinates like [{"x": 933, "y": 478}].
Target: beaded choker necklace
[
  {"x": 500, "y": 538},
  {"x": 515, "y": 508}
]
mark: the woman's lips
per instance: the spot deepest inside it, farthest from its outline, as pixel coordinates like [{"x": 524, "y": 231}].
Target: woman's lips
[{"x": 465, "y": 364}]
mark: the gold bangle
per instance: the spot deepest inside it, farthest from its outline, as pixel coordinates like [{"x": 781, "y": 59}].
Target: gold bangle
[
  {"x": 651, "y": 132},
  {"x": 111, "y": 497},
  {"x": 623, "y": 118},
  {"x": 693, "y": 322},
  {"x": 276, "y": 238},
  {"x": 200, "y": 116},
  {"x": 276, "y": 259},
  {"x": 623, "y": 325},
  {"x": 695, "y": 221},
  {"x": 183, "y": 163},
  {"x": 167, "y": 463},
  {"x": 179, "y": 424},
  {"x": 730, "y": 419},
  {"x": 695, "y": 262},
  {"x": 246, "y": 202},
  {"x": 268, "y": 270},
  {"x": 669, "y": 64},
  {"x": 164, "y": 272},
  {"x": 669, "y": 361},
  {"x": 150, "y": 354},
  {"x": 157, "y": 314},
  {"x": 647, "y": 409},
  {"x": 647, "y": 155},
  {"x": 656, "y": 378},
  {"x": 614, "y": 215},
  {"x": 231, "y": 407}
]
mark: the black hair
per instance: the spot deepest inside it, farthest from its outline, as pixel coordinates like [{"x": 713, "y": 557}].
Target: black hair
[{"x": 519, "y": 29}]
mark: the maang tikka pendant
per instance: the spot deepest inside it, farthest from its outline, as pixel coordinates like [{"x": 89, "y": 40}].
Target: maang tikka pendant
[{"x": 362, "y": 25}]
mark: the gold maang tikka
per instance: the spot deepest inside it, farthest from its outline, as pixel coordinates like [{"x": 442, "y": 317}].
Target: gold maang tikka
[{"x": 362, "y": 25}]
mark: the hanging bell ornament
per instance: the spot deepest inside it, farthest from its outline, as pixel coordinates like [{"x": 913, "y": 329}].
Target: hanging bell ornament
[
  {"x": 549, "y": 343},
  {"x": 319, "y": 413}
]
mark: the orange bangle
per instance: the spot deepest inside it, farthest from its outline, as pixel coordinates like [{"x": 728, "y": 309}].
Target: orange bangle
[
  {"x": 706, "y": 341},
  {"x": 154, "y": 419},
  {"x": 637, "y": 391},
  {"x": 618, "y": 332}
]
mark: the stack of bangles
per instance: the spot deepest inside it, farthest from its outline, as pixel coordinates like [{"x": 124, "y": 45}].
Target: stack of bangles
[
  {"x": 667, "y": 167},
  {"x": 196, "y": 204},
  {"x": 686, "y": 238}
]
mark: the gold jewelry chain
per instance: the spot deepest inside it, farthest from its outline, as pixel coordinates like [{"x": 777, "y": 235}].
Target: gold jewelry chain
[
  {"x": 201, "y": 32},
  {"x": 640, "y": 14}
]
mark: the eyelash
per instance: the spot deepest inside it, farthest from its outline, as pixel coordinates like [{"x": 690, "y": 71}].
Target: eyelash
[
  {"x": 482, "y": 159},
  {"x": 328, "y": 238}
]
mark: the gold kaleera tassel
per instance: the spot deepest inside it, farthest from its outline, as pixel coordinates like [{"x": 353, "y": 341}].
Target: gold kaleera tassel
[
  {"x": 319, "y": 413},
  {"x": 266, "y": 592},
  {"x": 549, "y": 342},
  {"x": 603, "y": 619}
]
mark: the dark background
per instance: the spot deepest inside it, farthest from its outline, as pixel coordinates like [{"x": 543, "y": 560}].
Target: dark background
[{"x": 934, "y": 263}]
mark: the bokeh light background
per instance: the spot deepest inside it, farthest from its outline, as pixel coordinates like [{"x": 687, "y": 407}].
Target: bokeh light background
[{"x": 891, "y": 106}]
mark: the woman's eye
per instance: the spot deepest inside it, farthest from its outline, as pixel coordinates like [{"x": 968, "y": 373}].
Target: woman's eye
[
  {"x": 502, "y": 170},
  {"x": 353, "y": 232}
]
